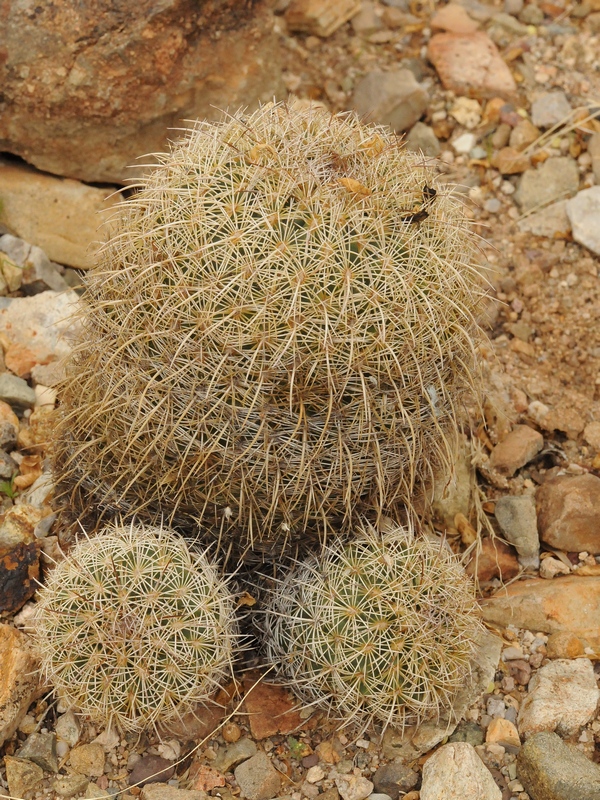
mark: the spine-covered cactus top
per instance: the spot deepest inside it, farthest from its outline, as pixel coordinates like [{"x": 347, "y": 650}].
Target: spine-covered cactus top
[{"x": 277, "y": 334}]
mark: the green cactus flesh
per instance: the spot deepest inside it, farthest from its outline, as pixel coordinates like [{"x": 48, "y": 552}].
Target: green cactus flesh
[
  {"x": 278, "y": 333},
  {"x": 134, "y": 628},
  {"x": 383, "y": 628}
]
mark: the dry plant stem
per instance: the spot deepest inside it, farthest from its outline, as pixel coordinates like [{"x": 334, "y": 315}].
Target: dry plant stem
[
  {"x": 277, "y": 336},
  {"x": 381, "y": 629},
  {"x": 134, "y": 628}
]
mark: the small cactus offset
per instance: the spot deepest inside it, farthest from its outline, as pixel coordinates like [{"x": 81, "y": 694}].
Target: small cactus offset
[
  {"x": 380, "y": 629},
  {"x": 277, "y": 335},
  {"x": 134, "y": 629}
]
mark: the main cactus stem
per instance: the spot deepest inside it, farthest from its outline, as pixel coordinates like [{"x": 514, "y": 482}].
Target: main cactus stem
[
  {"x": 277, "y": 336},
  {"x": 381, "y": 629},
  {"x": 135, "y": 629}
]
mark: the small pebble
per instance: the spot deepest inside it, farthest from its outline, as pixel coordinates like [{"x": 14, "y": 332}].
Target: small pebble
[{"x": 231, "y": 732}]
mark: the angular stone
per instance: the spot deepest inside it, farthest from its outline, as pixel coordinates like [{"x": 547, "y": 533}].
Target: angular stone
[
  {"x": 88, "y": 759},
  {"x": 453, "y": 18},
  {"x": 36, "y": 330},
  {"x": 551, "y": 222},
  {"x": 257, "y": 778},
  {"x": 237, "y": 752},
  {"x": 353, "y": 787},
  {"x": 422, "y": 139},
  {"x": 393, "y": 778},
  {"x": 564, "y": 645},
  {"x": 523, "y": 134},
  {"x": 563, "y": 697},
  {"x": 550, "y": 769},
  {"x": 9, "y": 427},
  {"x": 470, "y": 64},
  {"x": 516, "y": 449},
  {"x": 22, "y": 776},
  {"x": 57, "y": 214},
  {"x": 518, "y": 522},
  {"x": 591, "y": 434},
  {"x": 70, "y": 785},
  {"x": 41, "y": 749},
  {"x": 456, "y": 771},
  {"x": 16, "y": 392},
  {"x": 20, "y": 682},
  {"x": 549, "y": 109},
  {"x": 162, "y": 791},
  {"x": 494, "y": 559},
  {"x": 502, "y": 731},
  {"x": 569, "y": 604},
  {"x": 320, "y": 17},
  {"x": 68, "y": 728},
  {"x": 509, "y": 161},
  {"x": 271, "y": 709},
  {"x": 584, "y": 213},
  {"x": 19, "y": 575},
  {"x": 76, "y": 105},
  {"x": 554, "y": 180},
  {"x": 568, "y": 509},
  {"x": 203, "y": 778},
  {"x": 390, "y": 98},
  {"x": 151, "y": 769}
]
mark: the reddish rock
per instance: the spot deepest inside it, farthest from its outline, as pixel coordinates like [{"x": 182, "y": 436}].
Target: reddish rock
[
  {"x": 569, "y": 604},
  {"x": 89, "y": 87},
  {"x": 520, "y": 670},
  {"x": 568, "y": 509},
  {"x": 271, "y": 709},
  {"x": 453, "y": 18},
  {"x": 564, "y": 645},
  {"x": 516, "y": 450},
  {"x": 203, "y": 778},
  {"x": 470, "y": 64},
  {"x": 151, "y": 769},
  {"x": 19, "y": 575},
  {"x": 196, "y": 724},
  {"x": 496, "y": 560}
]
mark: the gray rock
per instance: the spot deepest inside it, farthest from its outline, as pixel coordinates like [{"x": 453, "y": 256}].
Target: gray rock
[
  {"x": 39, "y": 273},
  {"x": 414, "y": 741},
  {"x": 257, "y": 778},
  {"x": 162, "y": 791},
  {"x": 8, "y": 466},
  {"x": 70, "y": 785},
  {"x": 22, "y": 776},
  {"x": 393, "y": 778},
  {"x": 555, "y": 179},
  {"x": 563, "y": 696},
  {"x": 549, "y": 769},
  {"x": 550, "y": 109},
  {"x": 234, "y": 754},
  {"x": 367, "y": 20},
  {"x": 94, "y": 792},
  {"x": 513, "y": 7},
  {"x": 508, "y": 23},
  {"x": 422, "y": 139},
  {"x": 151, "y": 769},
  {"x": 518, "y": 520},
  {"x": 16, "y": 392},
  {"x": 552, "y": 222},
  {"x": 583, "y": 211},
  {"x": 456, "y": 771},
  {"x": 469, "y": 732},
  {"x": 8, "y": 435},
  {"x": 41, "y": 749},
  {"x": 390, "y": 98}
]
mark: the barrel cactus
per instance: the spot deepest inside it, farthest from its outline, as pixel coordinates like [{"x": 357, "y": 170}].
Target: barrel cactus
[
  {"x": 134, "y": 628},
  {"x": 383, "y": 628},
  {"x": 277, "y": 334}
]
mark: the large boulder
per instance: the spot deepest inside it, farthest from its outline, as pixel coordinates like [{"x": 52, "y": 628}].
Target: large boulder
[{"x": 89, "y": 87}]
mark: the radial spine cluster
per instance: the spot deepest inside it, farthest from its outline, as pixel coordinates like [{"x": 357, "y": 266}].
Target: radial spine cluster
[
  {"x": 383, "y": 628},
  {"x": 278, "y": 333},
  {"x": 135, "y": 628}
]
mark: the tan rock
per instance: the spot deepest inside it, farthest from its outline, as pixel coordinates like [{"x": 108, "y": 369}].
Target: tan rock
[
  {"x": 564, "y": 645},
  {"x": 470, "y": 64},
  {"x": 20, "y": 682},
  {"x": 564, "y": 419},
  {"x": 453, "y": 18},
  {"x": 516, "y": 450},
  {"x": 320, "y": 17},
  {"x": 551, "y": 567},
  {"x": 59, "y": 215},
  {"x": 18, "y": 525},
  {"x": 495, "y": 560},
  {"x": 591, "y": 433},
  {"x": 88, "y": 759},
  {"x": 568, "y": 509},
  {"x": 509, "y": 161},
  {"x": 502, "y": 731},
  {"x": 524, "y": 134},
  {"x": 570, "y": 604},
  {"x": 551, "y": 222},
  {"x": 22, "y": 776}
]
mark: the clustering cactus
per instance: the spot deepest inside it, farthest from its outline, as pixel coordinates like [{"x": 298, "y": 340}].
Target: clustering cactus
[
  {"x": 382, "y": 628},
  {"x": 277, "y": 335},
  {"x": 134, "y": 628}
]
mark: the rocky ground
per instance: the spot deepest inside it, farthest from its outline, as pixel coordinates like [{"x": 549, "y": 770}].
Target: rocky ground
[{"x": 506, "y": 96}]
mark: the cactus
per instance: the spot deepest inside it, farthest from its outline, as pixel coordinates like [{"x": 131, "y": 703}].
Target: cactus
[
  {"x": 382, "y": 628},
  {"x": 134, "y": 628},
  {"x": 277, "y": 335}
]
